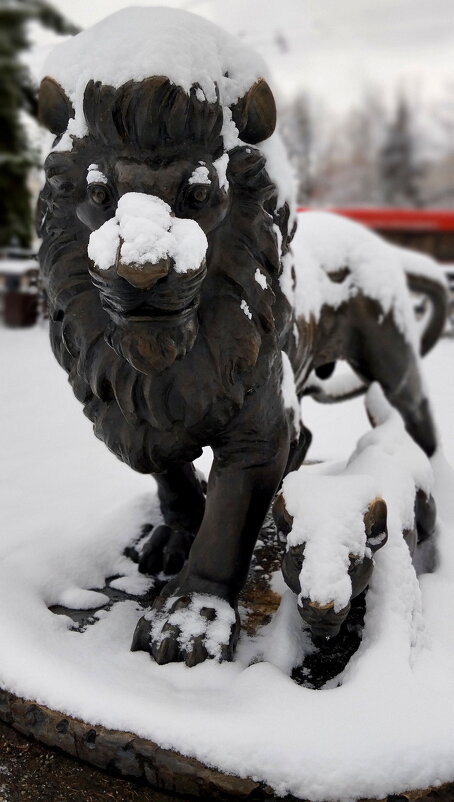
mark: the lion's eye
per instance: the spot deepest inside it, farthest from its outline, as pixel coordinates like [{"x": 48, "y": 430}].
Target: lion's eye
[
  {"x": 99, "y": 194},
  {"x": 198, "y": 195}
]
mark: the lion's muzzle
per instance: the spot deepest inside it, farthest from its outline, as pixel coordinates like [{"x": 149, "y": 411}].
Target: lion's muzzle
[{"x": 148, "y": 267}]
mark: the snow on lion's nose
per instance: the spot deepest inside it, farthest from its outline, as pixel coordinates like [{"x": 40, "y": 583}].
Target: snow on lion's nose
[{"x": 144, "y": 241}]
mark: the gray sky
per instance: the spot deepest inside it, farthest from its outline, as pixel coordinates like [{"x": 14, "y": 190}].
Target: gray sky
[{"x": 335, "y": 48}]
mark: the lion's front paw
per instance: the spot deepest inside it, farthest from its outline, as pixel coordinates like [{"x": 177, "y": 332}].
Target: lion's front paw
[
  {"x": 189, "y": 629},
  {"x": 166, "y": 550}
]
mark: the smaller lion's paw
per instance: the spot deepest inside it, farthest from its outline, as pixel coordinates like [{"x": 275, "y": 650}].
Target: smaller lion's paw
[
  {"x": 166, "y": 551},
  {"x": 189, "y": 629}
]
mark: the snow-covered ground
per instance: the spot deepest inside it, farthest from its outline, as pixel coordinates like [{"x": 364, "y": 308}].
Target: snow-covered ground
[{"x": 68, "y": 508}]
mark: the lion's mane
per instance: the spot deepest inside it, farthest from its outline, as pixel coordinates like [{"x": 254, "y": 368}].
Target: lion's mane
[{"x": 144, "y": 419}]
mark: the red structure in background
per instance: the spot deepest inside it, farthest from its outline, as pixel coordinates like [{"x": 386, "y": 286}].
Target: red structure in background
[{"x": 427, "y": 230}]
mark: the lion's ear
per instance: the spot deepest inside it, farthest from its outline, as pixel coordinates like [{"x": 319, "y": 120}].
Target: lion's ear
[
  {"x": 55, "y": 108},
  {"x": 255, "y": 113}
]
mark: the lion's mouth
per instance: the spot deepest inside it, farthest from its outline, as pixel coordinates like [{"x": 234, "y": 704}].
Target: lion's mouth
[{"x": 144, "y": 313}]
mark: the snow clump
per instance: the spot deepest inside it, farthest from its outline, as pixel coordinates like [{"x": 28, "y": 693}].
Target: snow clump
[
  {"x": 200, "y": 175},
  {"x": 260, "y": 279},
  {"x": 326, "y": 244},
  {"x": 144, "y": 231},
  {"x": 288, "y": 392},
  {"x": 192, "y": 623},
  {"x": 95, "y": 176},
  {"x": 245, "y": 309},
  {"x": 328, "y": 502}
]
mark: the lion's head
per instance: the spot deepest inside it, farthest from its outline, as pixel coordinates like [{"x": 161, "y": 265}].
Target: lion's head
[
  {"x": 156, "y": 204},
  {"x": 151, "y": 185}
]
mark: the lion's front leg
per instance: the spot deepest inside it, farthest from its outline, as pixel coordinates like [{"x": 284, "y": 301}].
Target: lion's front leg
[
  {"x": 196, "y": 617},
  {"x": 182, "y": 503}
]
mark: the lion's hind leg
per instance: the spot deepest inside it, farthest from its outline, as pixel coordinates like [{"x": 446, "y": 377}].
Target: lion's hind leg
[
  {"x": 182, "y": 503},
  {"x": 379, "y": 352},
  {"x": 298, "y": 450}
]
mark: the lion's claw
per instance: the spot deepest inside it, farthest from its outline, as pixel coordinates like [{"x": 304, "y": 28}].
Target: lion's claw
[
  {"x": 141, "y": 637},
  {"x": 190, "y": 629},
  {"x": 166, "y": 551},
  {"x": 166, "y": 652}
]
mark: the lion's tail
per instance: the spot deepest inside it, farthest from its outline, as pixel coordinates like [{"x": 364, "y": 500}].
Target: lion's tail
[{"x": 435, "y": 290}]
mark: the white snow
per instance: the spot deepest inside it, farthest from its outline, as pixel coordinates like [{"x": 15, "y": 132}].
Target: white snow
[
  {"x": 342, "y": 382},
  {"x": 192, "y": 623},
  {"x": 281, "y": 173},
  {"x": 104, "y": 243},
  {"x": 326, "y": 243},
  {"x": 245, "y": 309},
  {"x": 261, "y": 279},
  {"x": 229, "y": 130},
  {"x": 328, "y": 502},
  {"x": 220, "y": 166},
  {"x": 288, "y": 391},
  {"x": 137, "y": 43},
  {"x": 95, "y": 176},
  {"x": 136, "y": 584},
  {"x": 146, "y": 232},
  {"x": 200, "y": 175},
  {"x": 80, "y": 599},
  {"x": 69, "y": 509},
  {"x": 421, "y": 265}
]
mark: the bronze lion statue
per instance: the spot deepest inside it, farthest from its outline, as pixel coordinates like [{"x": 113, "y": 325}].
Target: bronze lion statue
[{"x": 168, "y": 356}]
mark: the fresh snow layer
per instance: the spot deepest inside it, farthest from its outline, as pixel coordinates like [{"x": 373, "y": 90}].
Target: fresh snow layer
[
  {"x": 69, "y": 509},
  {"x": 192, "y": 624},
  {"x": 328, "y": 503},
  {"x": 220, "y": 166},
  {"x": 200, "y": 175},
  {"x": 245, "y": 308},
  {"x": 326, "y": 243},
  {"x": 261, "y": 279},
  {"x": 95, "y": 176},
  {"x": 146, "y": 232},
  {"x": 288, "y": 391},
  {"x": 138, "y": 43}
]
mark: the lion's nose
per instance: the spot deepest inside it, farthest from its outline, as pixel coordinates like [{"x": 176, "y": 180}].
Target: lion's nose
[
  {"x": 320, "y": 607},
  {"x": 322, "y": 618},
  {"x": 144, "y": 277}
]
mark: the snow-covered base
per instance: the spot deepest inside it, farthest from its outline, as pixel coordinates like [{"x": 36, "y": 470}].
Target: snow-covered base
[{"x": 68, "y": 508}]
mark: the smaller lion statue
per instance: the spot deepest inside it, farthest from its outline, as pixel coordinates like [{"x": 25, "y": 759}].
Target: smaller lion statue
[{"x": 167, "y": 264}]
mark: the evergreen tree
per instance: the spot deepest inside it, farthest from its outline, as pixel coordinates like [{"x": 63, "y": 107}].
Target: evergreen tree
[
  {"x": 399, "y": 168},
  {"x": 17, "y": 95},
  {"x": 297, "y": 128}
]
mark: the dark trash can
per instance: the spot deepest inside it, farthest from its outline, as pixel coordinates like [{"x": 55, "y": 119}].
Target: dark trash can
[
  {"x": 20, "y": 308},
  {"x": 19, "y": 304}
]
